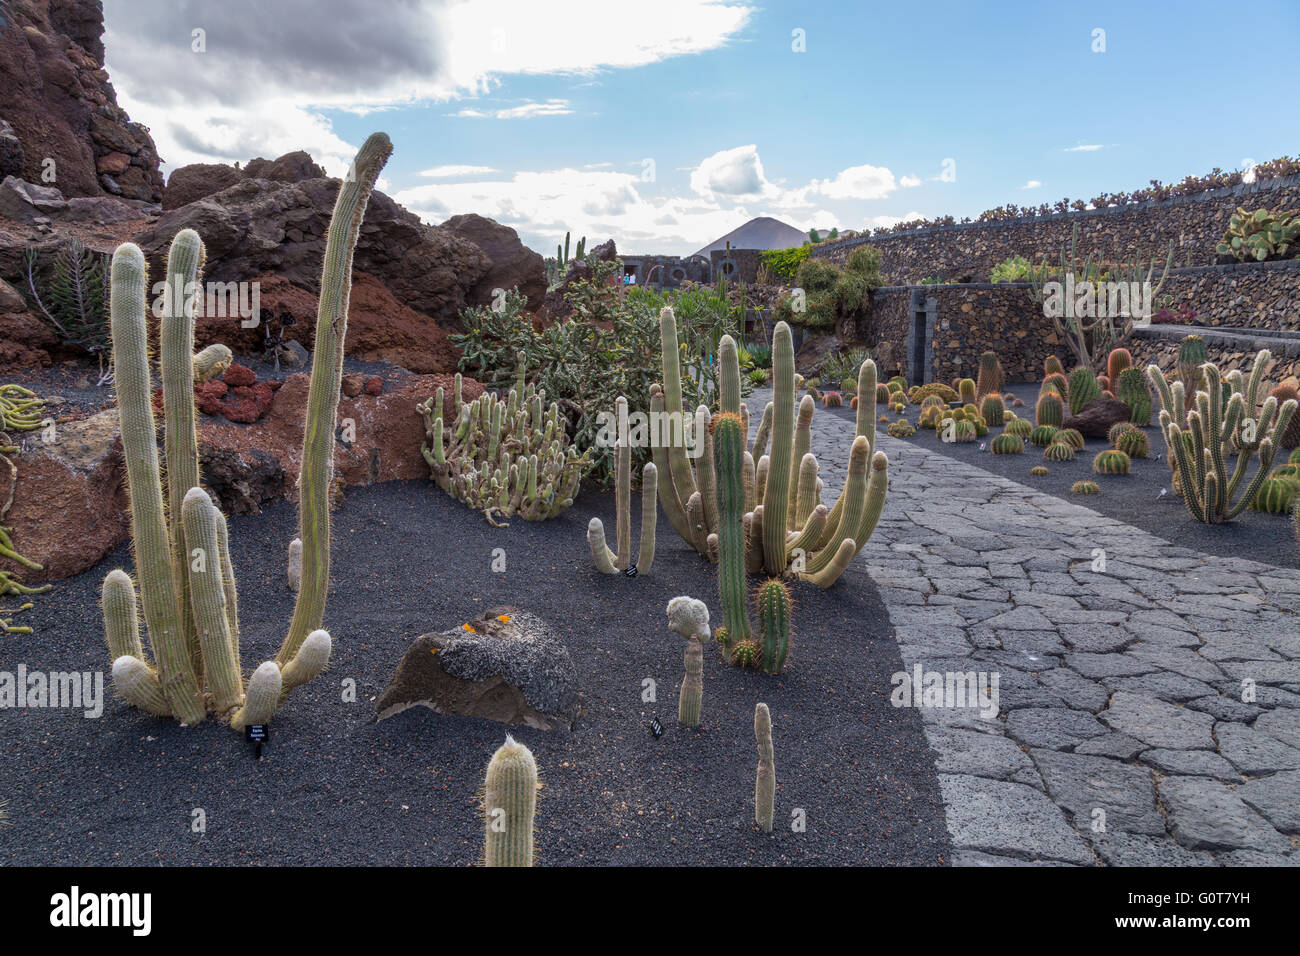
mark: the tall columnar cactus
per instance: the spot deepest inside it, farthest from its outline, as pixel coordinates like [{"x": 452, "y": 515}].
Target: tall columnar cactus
[
  {"x": 186, "y": 578},
  {"x": 1083, "y": 389},
  {"x": 1207, "y": 490},
  {"x": 1192, "y": 354},
  {"x": 990, "y": 375},
  {"x": 1132, "y": 390},
  {"x": 690, "y": 618},
  {"x": 509, "y": 804},
  {"x": 765, "y": 779},
  {"x": 774, "y": 611},
  {"x": 607, "y": 561},
  {"x": 776, "y": 500},
  {"x": 728, "y": 449}
]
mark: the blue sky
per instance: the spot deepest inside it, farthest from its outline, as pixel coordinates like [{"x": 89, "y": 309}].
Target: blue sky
[{"x": 668, "y": 124}]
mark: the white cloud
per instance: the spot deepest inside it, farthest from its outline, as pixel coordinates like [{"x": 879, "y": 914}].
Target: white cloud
[
  {"x": 552, "y": 107},
  {"x": 909, "y": 181},
  {"x": 1089, "y": 148},
  {"x": 858, "y": 182},
  {"x": 261, "y": 83},
  {"x": 1032, "y": 184},
  {"x": 731, "y": 172},
  {"x": 879, "y": 222},
  {"x": 453, "y": 171}
]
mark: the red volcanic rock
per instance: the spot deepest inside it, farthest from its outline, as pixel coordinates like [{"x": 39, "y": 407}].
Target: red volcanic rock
[
  {"x": 374, "y": 385},
  {"x": 1096, "y": 419},
  {"x": 353, "y": 384},
  {"x": 238, "y": 375},
  {"x": 513, "y": 265},
  {"x": 70, "y": 505}
]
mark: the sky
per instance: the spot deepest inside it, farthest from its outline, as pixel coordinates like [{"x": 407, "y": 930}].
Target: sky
[{"x": 665, "y": 125}]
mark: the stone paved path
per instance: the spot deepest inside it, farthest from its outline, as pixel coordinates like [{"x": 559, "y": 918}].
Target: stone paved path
[{"x": 1122, "y": 735}]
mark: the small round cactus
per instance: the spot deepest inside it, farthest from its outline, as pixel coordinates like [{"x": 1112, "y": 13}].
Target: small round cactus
[
  {"x": 1072, "y": 437},
  {"x": 1050, "y": 410},
  {"x": 832, "y": 400},
  {"x": 1052, "y": 366},
  {"x": 1119, "y": 428},
  {"x": 1058, "y": 451},
  {"x": 967, "y": 390},
  {"x": 1038, "y": 471},
  {"x": 1133, "y": 443},
  {"x": 901, "y": 429},
  {"x": 1276, "y": 495},
  {"x": 964, "y": 432},
  {"x": 1007, "y": 444},
  {"x": 1085, "y": 488},
  {"x": 1043, "y": 435},
  {"x": 994, "y": 410},
  {"x": 1019, "y": 427},
  {"x": 1111, "y": 462},
  {"x": 745, "y": 654}
]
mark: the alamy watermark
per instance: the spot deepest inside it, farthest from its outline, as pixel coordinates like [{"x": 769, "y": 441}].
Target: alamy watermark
[
  {"x": 1098, "y": 299},
  {"x": 70, "y": 690},
  {"x": 651, "y": 430},
  {"x": 947, "y": 689},
  {"x": 222, "y": 300}
]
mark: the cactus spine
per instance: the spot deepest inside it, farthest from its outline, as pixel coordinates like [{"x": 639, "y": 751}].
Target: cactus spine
[
  {"x": 765, "y": 779},
  {"x": 1083, "y": 389},
  {"x": 509, "y": 803},
  {"x": 187, "y": 581}
]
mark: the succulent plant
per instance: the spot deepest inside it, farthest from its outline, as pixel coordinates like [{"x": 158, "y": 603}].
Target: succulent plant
[
  {"x": 1131, "y": 389},
  {"x": 883, "y": 395},
  {"x": 774, "y": 610},
  {"x": 1020, "y": 427},
  {"x": 1058, "y": 451},
  {"x": 990, "y": 375},
  {"x": 901, "y": 429},
  {"x": 833, "y": 400},
  {"x": 1052, "y": 366},
  {"x": 765, "y": 779},
  {"x": 1288, "y": 390},
  {"x": 1007, "y": 444},
  {"x": 1050, "y": 410},
  {"x": 1083, "y": 389},
  {"x": 1276, "y": 495},
  {"x": 180, "y": 539},
  {"x": 1085, "y": 488},
  {"x": 1043, "y": 435},
  {"x": 921, "y": 392},
  {"x": 607, "y": 561},
  {"x": 745, "y": 654},
  {"x": 1118, "y": 360},
  {"x": 509, "y": 803},
  {"x": 1119, "y": 428},
  {"x": 1072, "y": 437},
  {"x": 1260, "y": 235},
  {"x": 1038, "y": 471},
  {"x": 1207, "y": 490},
  {"x": 1058, "y": 383},
  {"x": 967, "y": 391},
  {"x": 1192, "y": 354},
  {"x": 1134, "y": 443},
  {"x": 963, "y": 432},
  {"x": 1112, "y": 461},
  {"x": 993, "y": 410}
]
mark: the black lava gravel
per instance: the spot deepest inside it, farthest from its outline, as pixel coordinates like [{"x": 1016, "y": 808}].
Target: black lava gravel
[
  {"x": 333, "y": 787},
  {"x": 1133, "y": 498}
]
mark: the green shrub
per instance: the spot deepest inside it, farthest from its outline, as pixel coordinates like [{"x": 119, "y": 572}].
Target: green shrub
[
  {"x": 783, "y": 264},
  {"x": 817, "y": 275},
  {"x": 1015, "y": 269}
]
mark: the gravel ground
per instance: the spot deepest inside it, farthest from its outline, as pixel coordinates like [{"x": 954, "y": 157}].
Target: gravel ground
[
  {"x": 335, "y": 788},
  {"x": 1133, "y": 498}
]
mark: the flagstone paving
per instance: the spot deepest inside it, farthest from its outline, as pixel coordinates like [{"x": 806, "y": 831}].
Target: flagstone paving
[{"x": 1149, "y": 709}]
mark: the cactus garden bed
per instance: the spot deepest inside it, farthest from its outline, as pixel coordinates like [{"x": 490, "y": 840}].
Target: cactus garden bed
[
  {"x": 333, "y": 787},
  {"x": 1133, "y": 498}
]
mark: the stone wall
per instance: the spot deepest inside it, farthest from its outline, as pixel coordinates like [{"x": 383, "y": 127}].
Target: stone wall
[
  {"x": 1258, "y": 295},
  {"x": 969, "y": 251}
]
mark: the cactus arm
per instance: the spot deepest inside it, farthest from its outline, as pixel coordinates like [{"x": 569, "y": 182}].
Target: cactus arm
[
  {"x": 121, "y": 622},
  {"x": 728, "y": 447},
  {"x": 754, "y": 541},
  {"x": 623, "y": 503},
  {"x": 138, "y": 685},
  {"x": 323, "y": 393},
  {"x": 764, "y": 432},
  {"x": 265, "y": 688},
  {"x": 802, "y": 442},
  {"x": 181, "y": 441},
  {"x": 649, "y": 517},
  {"x": 728, "y": 376},
  {"x": 674, "y": 506},
  {"x": 600, "y": 553},
  {"x": 207, "y": 590},
  {"x": 777, "y": 493},
  {"x": 691, "y": 696},
  {"x": 706, "y": 472},
  {"x": 312, "y": 658},
  {"x": 228, "y": 579},
  {"x": 765, "y": 778},
  {"x": 159, "y": 597},
  {"x": 838, "y": 564},
  {"x": 867, "y": 380}
]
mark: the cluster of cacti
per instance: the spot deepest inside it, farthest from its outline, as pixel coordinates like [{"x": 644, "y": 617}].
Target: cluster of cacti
[
  {"x": 1112, "y": 461},
  {"x": 187, "y": 582},
  {"x": 509, "y": 803},
  {"x": 883, "y": 395},
  {"x": 690, "y": 618},
  {"x": 993, "y": 410},
  {"x": 502, "y": 457},
  {"x": 610, "y": 562},
  {"x": 961, "y": 431},
  {"x": 1058, "y": 451},
  {"x": 1211, "y": 495},
  {"x": 1057, "y": 383},
  {"x": 1133, "y": 443},
  {"x": 1007, "y": 444},
  {"x": 1260, "y": 235},
  {"x": 919, "y": 393},
  {"x": 901, "y": 429},
  {"x": 765, "y": 779},
  {"x": 1020, "y": 427},
  {"x": 1276, "y": 495},
  {"x": 1118, "y": 360},
  {"x": 1070, "y": 436},
  {"x": 1085, "y": 488},
  {"x": 1083, "y": 389},
  {"x": 1131, "y": 389},
  {"x": 990, "y": 375},
  {"x": 1119, "y": 428},
  {"x": 778, "y": 515},
  {"x": 1050, "y": 410},
  {"x": 1038, "y": 471},
  {"x": 1090, "y": 337},
  {"x": 1043, "y": 435}
]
